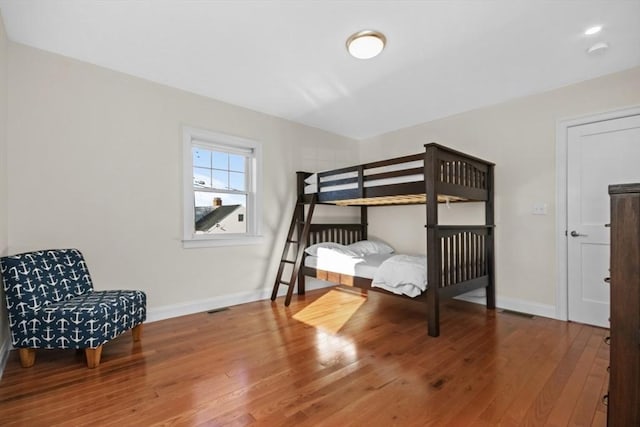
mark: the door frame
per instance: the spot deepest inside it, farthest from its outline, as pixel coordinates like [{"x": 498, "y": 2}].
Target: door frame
[{"x": 562, "y": 159}]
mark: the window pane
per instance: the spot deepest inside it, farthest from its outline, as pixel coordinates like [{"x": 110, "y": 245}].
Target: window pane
[
  {"x": 201, "y": 177},
  {"x": 220, "y": 179},
  {"x": 201, "y": 157},
  {"x": 236, "y": 163},
  {"x": 220, "y": 160},
  {"x": 236, "y": 181},
  {"x": 220, "y": 213}
]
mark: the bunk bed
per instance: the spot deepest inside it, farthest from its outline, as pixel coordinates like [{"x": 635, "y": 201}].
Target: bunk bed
[{"x": 460, "y": 258}]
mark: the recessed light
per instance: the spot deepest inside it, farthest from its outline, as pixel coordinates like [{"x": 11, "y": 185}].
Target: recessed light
[
  {"x": 593, "y": 30},
  {"x": 366, "y": 44}
]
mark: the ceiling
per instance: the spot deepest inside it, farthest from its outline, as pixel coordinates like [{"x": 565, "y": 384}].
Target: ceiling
[{"x": 288, "y": 58}]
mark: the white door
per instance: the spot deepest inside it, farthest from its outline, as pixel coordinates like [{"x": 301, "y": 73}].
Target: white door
[{"x": 599, "y": 154}]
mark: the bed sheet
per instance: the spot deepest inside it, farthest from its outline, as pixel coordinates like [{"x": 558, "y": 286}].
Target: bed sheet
[{"x": 399, "y": 274}]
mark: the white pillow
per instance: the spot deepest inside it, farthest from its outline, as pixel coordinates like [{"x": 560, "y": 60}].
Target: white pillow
[
  {"x": 311, "y": 179},
  {"x": 342, "y": 249},
  {"x": 369, "y": 247},
  {"x": 337, "y": 252}
]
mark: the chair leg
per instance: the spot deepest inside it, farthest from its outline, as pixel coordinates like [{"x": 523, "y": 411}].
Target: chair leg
[
  {"x": 136, "y": 332},
  {"x": 93, "y": 356},
  {"x": 27, "y": 357}
]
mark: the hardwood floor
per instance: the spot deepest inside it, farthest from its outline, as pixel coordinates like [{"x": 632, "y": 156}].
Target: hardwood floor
[{"x": 332, "y": 358}]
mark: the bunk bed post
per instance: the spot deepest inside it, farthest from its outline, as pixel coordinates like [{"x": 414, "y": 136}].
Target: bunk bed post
[
  {"x": 364, "y": 221},
  {"x": 489, "y": 220},
  {"x": 431, "y": 178},
  {"x": 300, "y": 177}
]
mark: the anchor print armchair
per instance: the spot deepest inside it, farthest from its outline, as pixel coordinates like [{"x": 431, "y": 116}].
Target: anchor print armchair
[{"x": 52, "y": 304}]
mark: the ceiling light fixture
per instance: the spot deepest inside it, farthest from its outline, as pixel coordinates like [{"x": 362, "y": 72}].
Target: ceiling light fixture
[
  {"x": 366, "y": 44},
  {"x": 593, "y": 30}
]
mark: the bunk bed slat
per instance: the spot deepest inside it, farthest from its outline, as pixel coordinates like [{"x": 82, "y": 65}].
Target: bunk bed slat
[
  {"x": 458, "y": 258},
  {"x": 472, "y": 249},
  {"x": 463, "y": 256},
  {"x": 394, "y": 174},
  {"x": 445, "y": 260},
  {"x": 394, "y": 161}
]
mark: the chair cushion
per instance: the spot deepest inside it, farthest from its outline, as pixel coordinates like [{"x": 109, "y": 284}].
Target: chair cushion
[{"x": 85, "y": 321}]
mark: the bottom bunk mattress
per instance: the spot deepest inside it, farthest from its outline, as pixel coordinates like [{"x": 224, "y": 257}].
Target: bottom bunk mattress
[{"x": 396, "y": 273}]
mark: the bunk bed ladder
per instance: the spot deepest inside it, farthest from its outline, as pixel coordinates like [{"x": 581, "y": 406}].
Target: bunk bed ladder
[{"x": 297, "y": 236}]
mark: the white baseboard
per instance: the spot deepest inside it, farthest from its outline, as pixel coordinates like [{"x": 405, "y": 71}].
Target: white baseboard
[
  {"x": 513, "y": 304},
  {"x": 183, "y": 309},
  {"x": 175, "y": 310}
]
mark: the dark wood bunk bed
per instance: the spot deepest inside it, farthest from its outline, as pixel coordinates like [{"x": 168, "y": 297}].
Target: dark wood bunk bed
[{"x": 460, "y": 258}]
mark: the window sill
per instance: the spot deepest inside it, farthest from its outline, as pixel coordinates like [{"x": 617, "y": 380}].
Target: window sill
[{"x": 213, "y": 243}]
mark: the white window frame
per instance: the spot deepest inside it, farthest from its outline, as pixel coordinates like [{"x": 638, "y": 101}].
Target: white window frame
[{"x": 193, "y": 137}]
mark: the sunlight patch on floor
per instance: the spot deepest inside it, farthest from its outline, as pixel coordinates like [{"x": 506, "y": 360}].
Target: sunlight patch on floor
[{"x": 331, "y": 311}]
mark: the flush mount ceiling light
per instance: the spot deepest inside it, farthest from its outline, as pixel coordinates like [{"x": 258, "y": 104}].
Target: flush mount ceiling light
[
  {"x": 366, "y": 44},
  {"x": 593, "y": 30}
]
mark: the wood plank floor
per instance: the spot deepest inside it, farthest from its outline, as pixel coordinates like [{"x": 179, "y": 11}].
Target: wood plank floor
[{"x": 333, "y": 358}]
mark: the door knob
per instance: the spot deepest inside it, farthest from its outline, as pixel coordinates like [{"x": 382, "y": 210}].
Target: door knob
[{"x": 574, "y": 233}]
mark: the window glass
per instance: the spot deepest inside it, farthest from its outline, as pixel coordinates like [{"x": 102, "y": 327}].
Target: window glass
[
  {"x": 236, "y": 163},
  {"x": 201, "y": 177},
  {"x": 201, "y": 157},
  {"x": 219, "y": 213},
  {"x": 236, "y": 181},
  {"x": 220, "y": 160},
  {"x": 221, "y": 179}
]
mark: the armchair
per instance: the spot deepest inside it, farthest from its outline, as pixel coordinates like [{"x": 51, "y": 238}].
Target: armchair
[{"x": 52, "y": 304}]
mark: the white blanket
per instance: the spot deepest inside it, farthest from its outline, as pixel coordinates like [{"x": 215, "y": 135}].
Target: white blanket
[
  {"x": 338, "y": 259},
  {"x": 402, "y": 274}
]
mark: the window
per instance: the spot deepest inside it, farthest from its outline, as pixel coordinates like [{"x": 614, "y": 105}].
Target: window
[{"x": 221, "y": 189}]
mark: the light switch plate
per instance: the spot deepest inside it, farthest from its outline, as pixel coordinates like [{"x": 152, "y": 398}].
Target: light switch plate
[{"x": 539, "y": 209}]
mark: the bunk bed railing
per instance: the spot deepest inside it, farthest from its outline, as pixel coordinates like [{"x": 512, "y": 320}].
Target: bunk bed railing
[
  {"x": 463, "y": 248},
  {"x": 367, "y": 171},
  {"x": 456, "y": 177},
  {"x": 462, "y": 176},
  {"x": 344, "y": 234},
  {"x": 463, "y": 256},
  {"x": 463, "y": 259},
  {"x": 463, "y": 173}
]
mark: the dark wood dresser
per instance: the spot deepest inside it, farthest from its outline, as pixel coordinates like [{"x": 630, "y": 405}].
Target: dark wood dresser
[{"x": 624, "y": 380}]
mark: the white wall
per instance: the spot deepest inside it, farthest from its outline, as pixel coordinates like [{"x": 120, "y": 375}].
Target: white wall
[
  {"x": 4, "y": 337},
  {"x": 519, "y": 136},
  {"x": 96, "y": 164}
]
